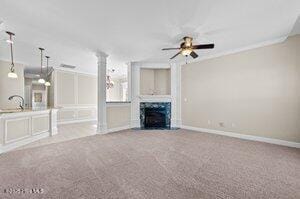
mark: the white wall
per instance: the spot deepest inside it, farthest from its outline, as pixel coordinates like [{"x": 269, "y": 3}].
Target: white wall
[
  {"x": 10, "y": 86},
  {"x": 256, "y": 92}
]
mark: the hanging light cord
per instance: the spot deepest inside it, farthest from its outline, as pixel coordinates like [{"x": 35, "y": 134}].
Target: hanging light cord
[
  {"x": 12, "y": 69},
  {"x": 41, "y": 49},
  {"x": 47, "y": 57},
  {"x": 11, "y": 54}
]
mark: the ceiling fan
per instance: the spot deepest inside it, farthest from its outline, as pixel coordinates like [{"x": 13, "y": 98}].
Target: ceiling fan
[{"x": 187, "y": 48}]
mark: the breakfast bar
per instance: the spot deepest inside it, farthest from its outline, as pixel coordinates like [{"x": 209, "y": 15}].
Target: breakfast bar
[{"x": 19, "y": 127}]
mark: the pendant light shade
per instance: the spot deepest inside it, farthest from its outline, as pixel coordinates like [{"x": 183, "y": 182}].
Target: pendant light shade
[
  {"x": 41, "y": 80},
  {"x": 11, "y": 73},
  {"x": 47, "y": 83}
]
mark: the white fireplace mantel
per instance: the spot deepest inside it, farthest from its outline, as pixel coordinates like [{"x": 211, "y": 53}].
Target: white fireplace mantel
[
  {"x": 155, "y": 98},
  {"x": 137, "y": 98}
]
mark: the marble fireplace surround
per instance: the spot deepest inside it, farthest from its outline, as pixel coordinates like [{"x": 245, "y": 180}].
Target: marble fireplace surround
[
  {"x": 137, "y": 98},
  {"x": 155, "y": 105}
]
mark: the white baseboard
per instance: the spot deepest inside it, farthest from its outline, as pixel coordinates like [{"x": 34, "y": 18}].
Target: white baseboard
[
  {"x": 175, "y": 123},
  {"x": 246, "y": 137},
  {"x": 54, "y": 131},
  {"x": 76, "y": 121},
  {"x": 111, "y": 130},
  {"x": 14, "y": 145},
  {"x": 135, "y": 123}
]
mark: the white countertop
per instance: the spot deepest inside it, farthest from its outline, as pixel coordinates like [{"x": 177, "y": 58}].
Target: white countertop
[{"x": 26, "y": 110}]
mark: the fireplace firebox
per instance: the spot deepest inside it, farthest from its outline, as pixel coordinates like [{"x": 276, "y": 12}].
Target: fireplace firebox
[{"x": 155, "y": 115}]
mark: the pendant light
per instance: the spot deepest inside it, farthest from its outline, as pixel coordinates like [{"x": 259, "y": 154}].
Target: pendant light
[
  {"x": 41, "y": 80},
  {"x": 11, "y": 73},
  {"x": 109, "y": 83},
  {"x": 47, "y": 83}
]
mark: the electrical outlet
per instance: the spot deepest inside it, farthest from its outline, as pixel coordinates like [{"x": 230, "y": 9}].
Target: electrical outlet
[
  {"x": 233, "y": 125},
  {"x": 185, "y": 99},
  {"x": 208, "y": 122}
]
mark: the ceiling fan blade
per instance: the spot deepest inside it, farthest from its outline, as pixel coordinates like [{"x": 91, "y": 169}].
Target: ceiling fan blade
[
  {"x": 203, "y": 46},
  {"x": 194, "y": 55},
  {"x": 170, "y": 48},
  {"x": 175, "y": 55}
]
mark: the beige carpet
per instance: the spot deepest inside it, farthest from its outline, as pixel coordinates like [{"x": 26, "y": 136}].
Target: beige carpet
[{"x": 152, "y": 164}]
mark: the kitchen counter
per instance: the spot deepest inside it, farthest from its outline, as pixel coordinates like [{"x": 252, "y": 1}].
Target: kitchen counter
[
  {"x": 19, "y": 127},
  {"x": 19, "y": 110}
]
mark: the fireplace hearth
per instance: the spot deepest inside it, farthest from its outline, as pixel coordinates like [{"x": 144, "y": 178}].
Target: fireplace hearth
[{"x": 155, "y": 115}]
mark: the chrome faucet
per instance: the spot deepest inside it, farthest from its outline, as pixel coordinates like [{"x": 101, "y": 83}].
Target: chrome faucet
[{"x": 21, "y": 103}]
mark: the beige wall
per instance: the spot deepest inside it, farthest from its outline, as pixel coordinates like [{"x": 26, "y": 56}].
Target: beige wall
[
  {"x": 155, "y": 80},
  {"x": 256, "y": 92},
  {"x": 76, "y": 94},
  {"x": 87, "y": 89},
  {"x": 146, "y": 81},
  {"x": 75, "y": 89},
  {"x": 118, "y": 116},
  {"x": 66, "y": 85},
  {"x": 162, "y": 81},
  {"x": 9, "y": 86}
]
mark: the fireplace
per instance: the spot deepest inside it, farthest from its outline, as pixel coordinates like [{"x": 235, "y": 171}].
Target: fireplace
[{"x": 155, "y": 115}]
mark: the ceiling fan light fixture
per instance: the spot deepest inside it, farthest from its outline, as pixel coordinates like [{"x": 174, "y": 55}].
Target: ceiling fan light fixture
[
  {"x": 186, "y": 51},
  {"x": 188, "y": 41}
]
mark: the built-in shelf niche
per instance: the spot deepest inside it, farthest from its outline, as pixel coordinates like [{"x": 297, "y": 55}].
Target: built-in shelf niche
[{"x": 155, "y": 81}]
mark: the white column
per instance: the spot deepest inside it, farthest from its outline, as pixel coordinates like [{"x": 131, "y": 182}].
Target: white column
[
  {"x": 175, "y": 95},
  {"x": 135, "y": 93},
  {"x": 173, "y": 68},
  {"x": 53, "y": 121},
  {"x": 101, "y": 102},
  {"x": 178, "y": 96}
]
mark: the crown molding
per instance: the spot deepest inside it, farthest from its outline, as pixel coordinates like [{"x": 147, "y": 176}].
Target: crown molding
[{"x": 74, "y": 71}]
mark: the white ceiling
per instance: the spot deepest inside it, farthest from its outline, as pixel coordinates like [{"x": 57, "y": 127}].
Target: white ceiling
[{"x": 136, "y": 30}]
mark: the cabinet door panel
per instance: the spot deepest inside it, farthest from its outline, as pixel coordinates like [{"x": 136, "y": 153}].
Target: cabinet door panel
[
  {"x": 16, "y": 129},
  {"x": 86, "y": 113},
  {"x": 65, "y": 115},
  {"x": 40, "y": 124}
]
